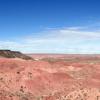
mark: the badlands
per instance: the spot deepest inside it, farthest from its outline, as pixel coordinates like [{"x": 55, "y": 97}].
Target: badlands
[{"x": 50, "y": 77}]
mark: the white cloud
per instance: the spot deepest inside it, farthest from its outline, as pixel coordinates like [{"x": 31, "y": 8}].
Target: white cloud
[{"x": 64, "y": 40}]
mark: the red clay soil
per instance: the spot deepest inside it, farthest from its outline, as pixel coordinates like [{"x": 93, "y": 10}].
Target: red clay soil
[{"x": 44, "y": 80}]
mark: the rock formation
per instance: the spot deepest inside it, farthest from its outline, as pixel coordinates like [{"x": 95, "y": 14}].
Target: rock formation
[{"x": 13, "y": 54}]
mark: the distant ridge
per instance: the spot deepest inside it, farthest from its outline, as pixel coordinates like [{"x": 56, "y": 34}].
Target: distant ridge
[{"x": 13, "y": 54}]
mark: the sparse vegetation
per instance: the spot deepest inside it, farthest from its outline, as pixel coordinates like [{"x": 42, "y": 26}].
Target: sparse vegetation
[{"x": 57, "y": 80}]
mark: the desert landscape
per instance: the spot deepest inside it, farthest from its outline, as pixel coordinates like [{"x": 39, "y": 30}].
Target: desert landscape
[
  {"x": 49, "y": 49},
  {"x": 49, "y": 76}
]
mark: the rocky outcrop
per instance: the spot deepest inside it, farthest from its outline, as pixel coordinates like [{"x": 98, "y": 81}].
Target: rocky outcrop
[{"x": 13, "y": 54}]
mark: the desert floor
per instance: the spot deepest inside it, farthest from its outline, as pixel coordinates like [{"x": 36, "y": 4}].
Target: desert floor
[{"x": 50, "y": 78}]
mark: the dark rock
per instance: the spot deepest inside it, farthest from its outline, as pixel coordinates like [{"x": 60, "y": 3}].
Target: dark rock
[{"x": 14, "y": 54}]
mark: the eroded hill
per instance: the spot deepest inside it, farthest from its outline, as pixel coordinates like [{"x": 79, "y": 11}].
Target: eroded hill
[{"x": 13, "y": 54}]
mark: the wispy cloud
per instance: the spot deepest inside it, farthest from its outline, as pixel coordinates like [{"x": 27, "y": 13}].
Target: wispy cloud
[{"x": 52, "y": 40}]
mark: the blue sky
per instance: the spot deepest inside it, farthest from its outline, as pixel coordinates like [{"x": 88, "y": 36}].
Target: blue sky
[{"x": 50, "y": 26}]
